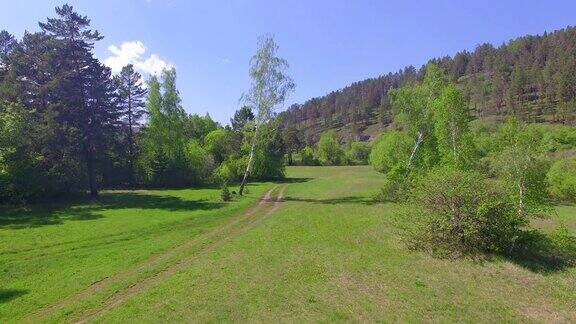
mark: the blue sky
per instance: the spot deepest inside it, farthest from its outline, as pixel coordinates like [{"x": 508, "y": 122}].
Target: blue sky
[{"x": 329, "y": 44}]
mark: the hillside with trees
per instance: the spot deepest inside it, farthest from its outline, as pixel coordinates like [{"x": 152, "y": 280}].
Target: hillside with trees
[{"x": 531, "y": 77}]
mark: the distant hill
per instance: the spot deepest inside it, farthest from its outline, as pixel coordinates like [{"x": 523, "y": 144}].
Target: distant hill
[{"x": 533, "y": 77}]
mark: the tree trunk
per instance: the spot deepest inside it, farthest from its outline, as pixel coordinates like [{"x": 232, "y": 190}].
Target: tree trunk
[
  {"x": 250, "y": 160},
  {"x": 454, "y": 150},
  {"x": 521, "y": 189},
  {"x": 130, "y": 143},
  {"x": 86, "y": 140},
  {"x": 416, "y": 145},
  {"x": 90, "y": 170}
]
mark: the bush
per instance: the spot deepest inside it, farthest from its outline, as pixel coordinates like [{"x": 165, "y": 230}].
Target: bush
[
  {"x": 390, "y": 150},
  {"x": 217, "y": 142},
  {"x": 200, "y": 163},
  {"x": 225, "y": 193},
  {"x": 396, "y": 185},
  {"x": 307, "y": 156},
  {"x": 461, "y": 213},
  {"x": 562, "y": 180},
  {"x": 329, "y": 150},
  {"x": 358, "y": 153}
]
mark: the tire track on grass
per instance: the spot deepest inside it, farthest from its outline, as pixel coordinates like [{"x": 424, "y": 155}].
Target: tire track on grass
[
  {"x": 153, "y": 261},
  {"x": 122, "y": 296}
]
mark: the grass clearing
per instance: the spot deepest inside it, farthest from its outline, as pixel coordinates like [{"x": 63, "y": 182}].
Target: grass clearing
[
  {"x": 51, "y": 252},
  {"x": 326, "y": 253}
]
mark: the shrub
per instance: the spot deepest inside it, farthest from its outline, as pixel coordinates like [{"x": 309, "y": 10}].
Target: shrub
[
  {"x": 358, "y": 153},
  {"x": 307, "y": 156},
  {"x": 390, "y": 150},
  {"x": 223, "y": 174},
  {"x": 329, "y": 150},
  {"x": 396, "y": 185},
  {"x": 461, "y": 213},
  {"x": 562, "y": 180},
  {"x": 217, "y": 142},
  {"x": 200, "y": 163},
  {"x": 225, "y": 193}
]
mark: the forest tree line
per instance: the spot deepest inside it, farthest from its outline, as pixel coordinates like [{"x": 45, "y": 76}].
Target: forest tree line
[
  {"x": 532, "y": 77},
  {"x": 68, "y": 125}
]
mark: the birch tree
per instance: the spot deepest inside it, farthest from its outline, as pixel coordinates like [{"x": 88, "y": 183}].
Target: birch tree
[
  {"x": 451, "y": 127},
  {"x": 270, "y": 88},
  {"x": 414, "y": 110},
  {"x": 522, "y": 166}
]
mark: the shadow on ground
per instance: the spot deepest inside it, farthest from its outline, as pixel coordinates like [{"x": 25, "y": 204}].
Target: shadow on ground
[
  {"x": 7, "y": 295},
  {"x": 332, "y": 201},
  {"x": 85, "y": 209},
  {"x": 294, "y": 180},
  {"x": 544, "y": 254}
]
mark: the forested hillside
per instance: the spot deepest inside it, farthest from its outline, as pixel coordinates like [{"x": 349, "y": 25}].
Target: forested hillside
[{"x": 532, "y": 77}]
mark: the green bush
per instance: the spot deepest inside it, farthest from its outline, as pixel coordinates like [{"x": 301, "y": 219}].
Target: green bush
[
  {"x": 200, "y": 163},
  {"x": 461, "y": 213},
  {"x": 225, "y": 193},
  {"x": 397, "y": 185},
  {"x": 307, "y": 156},
  {"x": 358, "y": 153},
  {"x": 329, "y": 150},
  {"x": 562, "y": 179},
  {"x": 390, "y": 150}
]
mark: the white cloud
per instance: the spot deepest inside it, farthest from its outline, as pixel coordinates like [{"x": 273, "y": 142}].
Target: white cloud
[
  {"x": 132, "y": 53},
  {"x": 225, "y": 60}
]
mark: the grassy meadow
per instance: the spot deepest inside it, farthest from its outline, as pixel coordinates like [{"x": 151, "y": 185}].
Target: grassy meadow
[{"x": 318, "y": 248}]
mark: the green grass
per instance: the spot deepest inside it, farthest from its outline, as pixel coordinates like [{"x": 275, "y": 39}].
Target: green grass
[
  {"x": 50, "y": 252},
  {"x": 327, "y": 253}
]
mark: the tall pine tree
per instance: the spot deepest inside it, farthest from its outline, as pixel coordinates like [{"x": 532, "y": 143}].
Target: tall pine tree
[{"x": 131, "y": 95}]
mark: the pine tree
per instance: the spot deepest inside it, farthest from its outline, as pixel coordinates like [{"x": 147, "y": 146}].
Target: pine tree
[
  {"x": 131, "y": 103},
  {"x": 87, "y": 85}
]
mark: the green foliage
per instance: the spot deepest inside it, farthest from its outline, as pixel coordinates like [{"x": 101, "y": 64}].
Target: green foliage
[
  {"x": 358, "y": 153},
  {"x": 198, "y": 127},
  {"x": 562, "y": 179},
  {"x": 397, "y": 184},
  {"x": 415, "y": 107},
  {"x": 390, "y": 150},
  {"x": 329, "y": 150},
  {"x": 307, "y": 157},
  {"x": 168, "y": 158},
  {"x": 200, "y": 163},
  {"x": 270, "y": 87},
  {"x": 564, "y": 243},
  {"x": 531, "y": 77},
  {"x": 451, "y": 129},
  {"x": 519, "y": 162},
  {"x": 225, "y": 193},
  {"x": 461, "y": 213},
  {"x": 217, "y": 142},
  {"x": 225, "y": 173},
  {"x": 241, "y": 117},
  {"x": 268, "y": 160},
  {"x": 558, "y": 137},
  {"x": 31, "y": 166},
  {"x": 292, "y": 137}
]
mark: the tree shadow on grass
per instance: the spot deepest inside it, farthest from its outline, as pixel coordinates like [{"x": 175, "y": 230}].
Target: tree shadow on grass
[
  {"x": 7, "y": 295},
  {"x": 541, "y": 253},
  {"x": 334, "y": 201},
  {"x": 294, "y": 180},
  {"x": 90, "y": 209}
]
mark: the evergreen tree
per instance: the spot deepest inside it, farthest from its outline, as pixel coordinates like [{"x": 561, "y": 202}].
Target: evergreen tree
[
  {"x": 131, "y": 103},
  {"x": 87, "y": 83}
]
